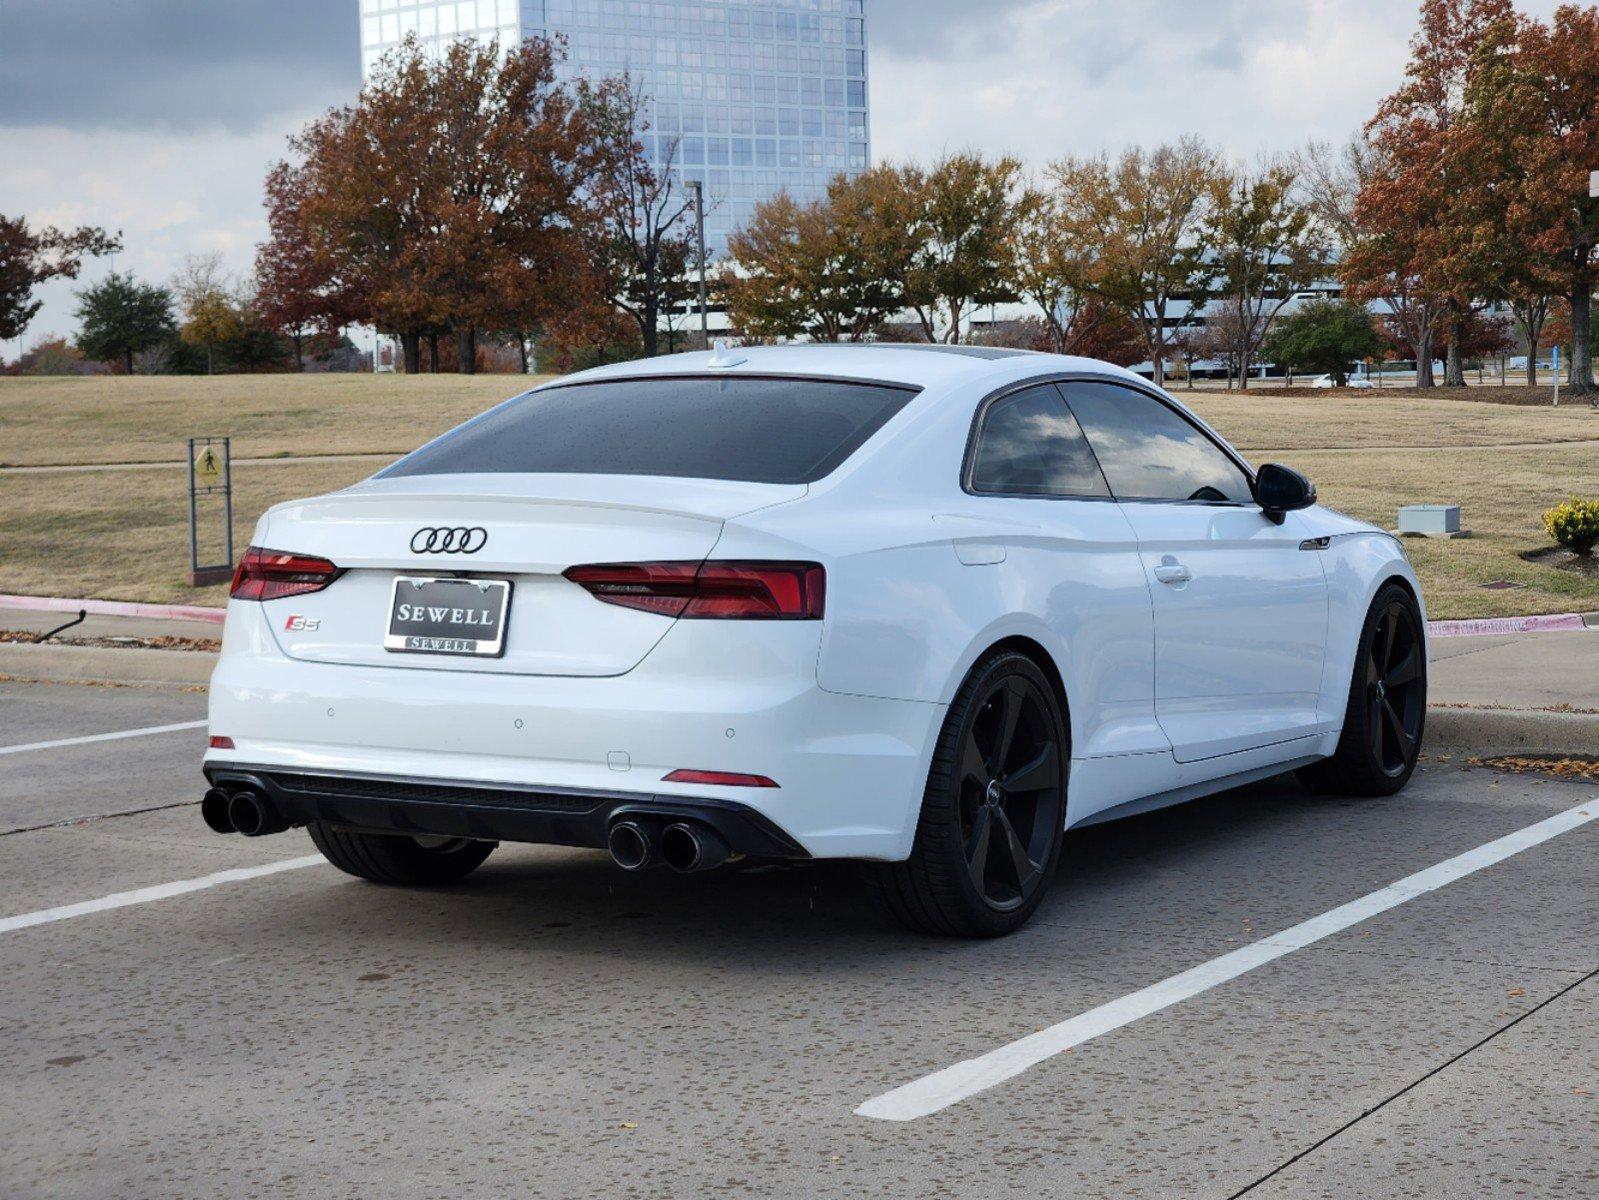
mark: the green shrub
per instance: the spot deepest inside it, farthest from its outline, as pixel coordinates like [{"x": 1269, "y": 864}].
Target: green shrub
[{"x": 1574, "y": 524}]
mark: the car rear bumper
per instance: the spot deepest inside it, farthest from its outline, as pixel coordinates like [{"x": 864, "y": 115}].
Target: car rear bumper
[
  {"x": 850, "y": 769},
  {"x": 492, "y": 812}
]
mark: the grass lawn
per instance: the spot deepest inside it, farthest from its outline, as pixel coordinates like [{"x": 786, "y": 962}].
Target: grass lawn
[
  {"x": 123, "y": 534},
  {"x": 104, "y": 419},
  {"x": 1305, "y": 420}
]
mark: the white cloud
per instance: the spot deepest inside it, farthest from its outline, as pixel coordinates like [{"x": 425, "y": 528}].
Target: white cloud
[
  {"x": 1040, "y": 78},
  {"x": 170, "y": 195}
]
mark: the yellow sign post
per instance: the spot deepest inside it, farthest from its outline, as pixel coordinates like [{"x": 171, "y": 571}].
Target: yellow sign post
[
  {"x": 208, "y": 466},
  {"x": 210, "y": 473}
]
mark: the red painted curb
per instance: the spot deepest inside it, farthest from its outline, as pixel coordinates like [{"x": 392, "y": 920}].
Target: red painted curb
[
  {"x": 116, "y": 608},
  {"x": 1488, "y": 626}
]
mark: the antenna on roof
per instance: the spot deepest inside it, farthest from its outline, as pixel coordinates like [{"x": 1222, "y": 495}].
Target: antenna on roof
[{"x": 722, "y": 355}]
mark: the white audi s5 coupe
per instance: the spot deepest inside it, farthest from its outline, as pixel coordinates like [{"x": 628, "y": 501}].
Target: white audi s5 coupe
[{"x": 925, "y": 607}]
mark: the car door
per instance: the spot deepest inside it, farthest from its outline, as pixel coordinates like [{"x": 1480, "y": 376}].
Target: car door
[
  {"x": 1039, "y": 521},
  {"x": 1240, "y": 599}
]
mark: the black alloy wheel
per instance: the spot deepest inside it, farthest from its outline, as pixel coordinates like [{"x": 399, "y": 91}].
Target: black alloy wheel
[
  {"x": 993, "y": 813},
  {"x": 1386, "y": 712},
  {"x": 1394, "y": 690},
  {"x": 1010, "y": 793}
]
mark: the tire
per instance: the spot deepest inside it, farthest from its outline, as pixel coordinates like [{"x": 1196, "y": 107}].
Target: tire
[
  {"x": 1387, "y": 709},
  {"x": 399, "y": 859},
  {"x": 939, "y": 889}
]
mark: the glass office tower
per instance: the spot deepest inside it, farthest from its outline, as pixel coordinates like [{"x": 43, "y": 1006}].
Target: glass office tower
[{"x": 755, "y": 95}]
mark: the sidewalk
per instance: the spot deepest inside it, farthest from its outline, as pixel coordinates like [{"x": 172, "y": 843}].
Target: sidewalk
[
  {"x": 1519, "y": 671},
  {"x": 1527, "y": 693},
  {"x": 58, "y": 660}
]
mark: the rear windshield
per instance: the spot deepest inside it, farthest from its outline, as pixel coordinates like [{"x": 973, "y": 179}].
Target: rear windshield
[{"x": 751, "y": 430}]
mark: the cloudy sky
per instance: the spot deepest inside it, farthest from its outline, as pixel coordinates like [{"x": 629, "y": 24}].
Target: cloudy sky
[{"x": 159, "y": 117}]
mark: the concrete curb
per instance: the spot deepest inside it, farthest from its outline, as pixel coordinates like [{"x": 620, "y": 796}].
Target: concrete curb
[
  {"x": 1487, "y": 731},
  {"x": 101, "y": 664}
]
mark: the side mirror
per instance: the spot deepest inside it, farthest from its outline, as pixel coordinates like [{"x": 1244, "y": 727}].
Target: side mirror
[{"x": 1280, "y": 490}]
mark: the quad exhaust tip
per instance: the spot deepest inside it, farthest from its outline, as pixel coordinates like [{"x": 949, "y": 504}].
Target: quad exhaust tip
[
  {"x": 253, "y": 815},
  {"x": 689, "y": 847},
  {"x": 685, "y": 846},
  {"x": 214, "y": 810},
  {"x": 244, "y": 811},
  {"x": 632, "y": 845}
]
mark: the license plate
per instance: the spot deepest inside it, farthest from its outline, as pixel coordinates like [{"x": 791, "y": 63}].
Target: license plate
[{"x": 448, "y": 616}]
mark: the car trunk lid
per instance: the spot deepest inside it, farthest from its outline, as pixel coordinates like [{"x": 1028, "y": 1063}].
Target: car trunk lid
[{"x": 524, "y": 529}]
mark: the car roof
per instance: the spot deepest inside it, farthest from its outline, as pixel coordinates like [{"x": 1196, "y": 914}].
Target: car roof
[{"x": 919, "y": 365}]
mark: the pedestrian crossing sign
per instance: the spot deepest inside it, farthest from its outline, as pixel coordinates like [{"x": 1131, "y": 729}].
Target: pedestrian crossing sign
[{"x": 208, "y": 466}]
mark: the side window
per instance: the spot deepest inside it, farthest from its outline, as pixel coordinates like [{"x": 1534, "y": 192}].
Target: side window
[
  {"x": 1030, "y": 445},
  {"x": 1149, "y": 452}
]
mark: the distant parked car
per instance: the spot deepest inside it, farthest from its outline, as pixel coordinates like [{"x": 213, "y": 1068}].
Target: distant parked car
[{"x": 1326, "y": 381}]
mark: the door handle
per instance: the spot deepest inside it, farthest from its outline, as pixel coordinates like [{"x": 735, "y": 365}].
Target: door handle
[{"x": 1172, "y": 571}]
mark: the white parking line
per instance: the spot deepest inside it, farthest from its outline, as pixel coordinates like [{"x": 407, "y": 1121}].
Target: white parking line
[
  {"x": 938, "y": 1091},
  {"x": 160, "y": 891},
  {"x": 102, "y": 737}
]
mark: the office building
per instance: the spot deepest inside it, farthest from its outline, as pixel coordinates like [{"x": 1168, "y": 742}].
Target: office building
[{"x": 749, "y": 96}]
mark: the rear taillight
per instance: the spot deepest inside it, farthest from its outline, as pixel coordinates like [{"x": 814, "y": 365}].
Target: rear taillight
[
  {"x": 274, "y": 574},
  {"x": 748, "y": 591}
]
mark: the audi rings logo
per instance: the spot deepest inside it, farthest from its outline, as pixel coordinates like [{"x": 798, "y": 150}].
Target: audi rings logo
[{"x": 454, "y": 540}]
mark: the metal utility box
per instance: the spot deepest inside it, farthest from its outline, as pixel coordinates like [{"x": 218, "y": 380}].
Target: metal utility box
[{"x": 1431, "y": 520}]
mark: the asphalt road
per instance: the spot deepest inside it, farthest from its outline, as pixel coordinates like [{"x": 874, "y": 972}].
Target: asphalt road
[{"x": 552, "y": 1027}]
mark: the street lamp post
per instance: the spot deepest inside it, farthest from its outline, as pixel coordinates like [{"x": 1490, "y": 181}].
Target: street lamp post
[{"x": 699, "y": 233}]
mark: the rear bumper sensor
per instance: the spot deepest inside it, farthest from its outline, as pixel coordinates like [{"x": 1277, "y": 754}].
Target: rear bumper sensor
[{"x": 497, "y": 812}]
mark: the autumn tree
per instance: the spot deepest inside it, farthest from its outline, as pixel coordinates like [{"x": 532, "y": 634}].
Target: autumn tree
[
  {"x": 52, "y": 356},
  {"x": 454, "y": 195},
  {"x": 1145, "y": 217},
  {"x": 1423, "y": 232},
  {"x": 1536, "y": 100},
  {"x": 642, "y": 234},
  {"x": 1265, "y": 247},
  {"x": 1374, "y": 262},
  {"x": 960, "y": 214},
  {"x": 1051, "y": 265},
  {"x": 29, "y": 258},
  {"x": 120, "y": 317},
  {"x": 777, "y": 280},
  {"x": 830, "y": 270},
  {"x": 299, "y": 288},
  {"x": 210, "y": 311}
]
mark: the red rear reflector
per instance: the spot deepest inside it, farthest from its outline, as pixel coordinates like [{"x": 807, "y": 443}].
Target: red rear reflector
[
  {"x": 221, "y": 743},
  {"x": 718, "y": 778},
  {"x": 274, "y": 574},
  {"x": 769, "y": 591}
]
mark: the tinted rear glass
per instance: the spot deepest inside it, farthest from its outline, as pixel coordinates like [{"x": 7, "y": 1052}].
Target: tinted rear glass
[{"x": 751, "y": 430}]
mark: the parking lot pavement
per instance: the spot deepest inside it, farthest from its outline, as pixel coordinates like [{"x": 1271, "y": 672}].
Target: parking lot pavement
[
  {"x": 91, "y": 779},
  {"x": 552, "y": 1027}
]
